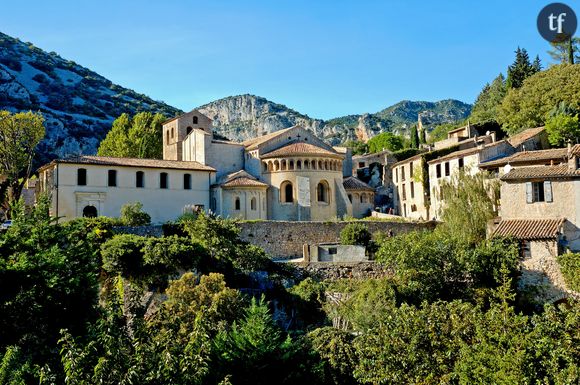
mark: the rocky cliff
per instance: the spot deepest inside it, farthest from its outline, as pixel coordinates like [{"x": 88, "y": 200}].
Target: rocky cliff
[
  {"x": 246, "y": 116},
  {"x": 78, "y": 104}
]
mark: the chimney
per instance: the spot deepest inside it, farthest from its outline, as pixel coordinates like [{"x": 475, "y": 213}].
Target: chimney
[{"x": 569, "y": 147}]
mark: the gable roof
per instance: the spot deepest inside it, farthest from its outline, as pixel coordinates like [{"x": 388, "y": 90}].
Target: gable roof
[
  {"x": 185, "y": 113},
  {"x": 521, "y": 137},
  {"x": 352, "y": 183},
  {"x": 529, "y": 157},
  {"x": 241, "y": 179},
  {"x": 530, "y": 229},
  {"x": 252, "y": 144},
  {"x": 132, "y": 162},
  {"x": 300, "y": 148},
  {"x": 560, "y": 171}
]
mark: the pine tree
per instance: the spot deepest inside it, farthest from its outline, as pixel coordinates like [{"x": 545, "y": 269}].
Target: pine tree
[
  {"x": 567, "y": 51},
  {"x": 537, "y": 64},
  {"x": 488, "y": 100},
  {"x": 520, "y": 69}
]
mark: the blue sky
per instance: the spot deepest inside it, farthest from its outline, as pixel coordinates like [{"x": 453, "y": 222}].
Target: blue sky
[{"x": 322, "y": 58}]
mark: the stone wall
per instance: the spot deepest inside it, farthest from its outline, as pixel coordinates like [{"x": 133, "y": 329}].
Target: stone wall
[
  {"x": 340, "y": 270},
  {"x": 281, "y": 239}
]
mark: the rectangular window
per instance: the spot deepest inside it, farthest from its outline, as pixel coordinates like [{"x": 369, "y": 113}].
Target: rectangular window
[
  {"x": 140, "y": 179},
  {"x": 535, "y": 192},
  {"x": 82, "y": 176},
  {"x": 411, "y": 170},
  {"x": 438, "y": 170},
  {"x": 396, "y": 175},
  {"x": 446, "y": 168},
  {"x": 163, "y": 180},
  {"x": 361, "y": 164},
  {"x": 403, "y": 173},
  {"x": 332, "y": 250},
  {"x": 460, "y": 162},
  {"x": 112, "y": 178},
  {"x": 187, "y": 181},
  {"x": 412, "y": 190},
  {"x": 404, "y": 193}
]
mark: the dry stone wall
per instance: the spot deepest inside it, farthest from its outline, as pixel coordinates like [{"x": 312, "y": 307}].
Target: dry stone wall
[{"x": 283, "y": 240}]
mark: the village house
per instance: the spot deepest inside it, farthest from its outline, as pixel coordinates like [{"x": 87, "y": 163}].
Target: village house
[
  {"x": 540, "y": 206},
  {"x": 285, "y": 175}
]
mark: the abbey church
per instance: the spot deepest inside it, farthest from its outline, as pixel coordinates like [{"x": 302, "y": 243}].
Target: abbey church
[{"x": 286, "y": 175}]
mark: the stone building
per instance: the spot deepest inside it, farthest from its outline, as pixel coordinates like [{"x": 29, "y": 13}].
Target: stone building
[
  {"x": 286, "y": 175},
  {"x": 412, "y": 192},
  {"x": 540, "y": 206}
]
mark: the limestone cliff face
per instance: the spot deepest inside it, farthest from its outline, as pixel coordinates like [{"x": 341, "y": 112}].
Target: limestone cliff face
[{"x": 247, "y": 116}]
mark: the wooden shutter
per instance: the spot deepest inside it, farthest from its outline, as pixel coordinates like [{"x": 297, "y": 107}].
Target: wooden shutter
[
  {"x": 529, "y": 192},
  {"x": 548, "y": 191}
]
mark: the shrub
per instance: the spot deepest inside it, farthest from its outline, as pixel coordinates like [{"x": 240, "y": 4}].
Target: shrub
[
  {"x": 133, "y": 215},
  {"x": 355, "y": 234},
  {"x": 570, "y": 267}
]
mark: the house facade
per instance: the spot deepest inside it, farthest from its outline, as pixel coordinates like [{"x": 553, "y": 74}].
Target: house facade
[{"x": 286, "y": 175}]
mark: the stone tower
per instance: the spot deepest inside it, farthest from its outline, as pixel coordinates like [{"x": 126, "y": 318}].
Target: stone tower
[{"x": 177, "y": 129}]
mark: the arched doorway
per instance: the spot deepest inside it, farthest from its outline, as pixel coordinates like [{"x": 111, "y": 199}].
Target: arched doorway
[{"x": 90, "y": 212}]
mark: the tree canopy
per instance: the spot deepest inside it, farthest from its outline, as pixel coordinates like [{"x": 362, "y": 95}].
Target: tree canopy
[
  {"x": 529, "y": 105},
  {"x": 139, "y": 136},
  {"x": 386, "y": 140}
]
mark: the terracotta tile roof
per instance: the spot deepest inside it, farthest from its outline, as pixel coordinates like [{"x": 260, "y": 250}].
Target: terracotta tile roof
[
  {"x": 252, "y": 144},
  {"x": 539, "y": 156},
  {"x": 244, "y": 182},
  {"x": 520, "y": 138},
  {"x": 352, "y": 183},
  {"x": 529, "y": 229},
  {"x": 300, "y": 148},
  {"x": 133, "y": 162},
  {"x": 561, "y": 171},
  {"x": 575, "y": 151},
  {"x": 457, "y": 154},
  {"x": 240, "y": 179}
]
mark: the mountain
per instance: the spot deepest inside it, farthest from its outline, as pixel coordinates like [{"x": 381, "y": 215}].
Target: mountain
[
  {"x": 78, "y": 104},
  {"x": 246, "y": 116}
]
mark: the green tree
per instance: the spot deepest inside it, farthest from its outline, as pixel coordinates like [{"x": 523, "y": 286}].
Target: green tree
[
  {"x": 336, "y": 350},
  {"x": 520, "y": 69},
  {"x": 567, "y": 51},
  {"x": 132, "y": 214},
  {"x": 355, "y": 234},
  {"x": 489, "y": 99},
  {"x": 530, "y": 105},
  {"x": 137, "y": 137},
  {"x": 358, "y": 147},
  {"x": 440, "y": 132},
  {"x": 385, "y": 140},
  {"x": 563, "y": 128},
  {"x": 20, "y": 134},
  {"x": 477, "y": 195},
  {"x": 414, "y": 137}
]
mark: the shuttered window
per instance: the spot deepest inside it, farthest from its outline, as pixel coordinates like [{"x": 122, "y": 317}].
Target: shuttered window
[{"x": 548, "y": 191}]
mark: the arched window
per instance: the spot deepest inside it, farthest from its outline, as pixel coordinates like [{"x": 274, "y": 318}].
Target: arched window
[
  {"x": 253, "y": 204},
  {"x": 237, "y": 204},
  {"x": 298, "y": 165},
  {"x": 195, "y": 120},
  {"x": 306, "y": 164},
  {"x": 291, "y": 165},
  {"x": 188, "y": 130},
  {"x": 276, "y": 165},
  {"x": 270, "y": 166},
  {"x": 140, "y": 179},
  {"x": 326, "y": 165},
  {"x": 313, "y": 164},
  {"x": 283, "y": 165},
  {"x": 187, "y": 181},
  {"x": 82, "y": 176},
  {"x": 286, "y": 192},
  {"x": 350, "y": 198},
  {"x": 265, "y": 166},
  {"x": 172, "y": 132},
  {"x": 112, "y": 178},
  {"x": 167, "y": 135},
  {"x": 163, "y": 180},
  {"x": 363, "y": 198},
  {"x": 90, "y": 212},
  {"x": 322, "y": 191},
  {"x": 320, "y": 165}
]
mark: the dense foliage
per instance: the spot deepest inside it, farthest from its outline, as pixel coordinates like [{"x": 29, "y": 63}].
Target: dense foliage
[
  {"x": 139, "y": 136},
  {"x": 386, "y": 141},
  {"x": 20, "y": 133}
]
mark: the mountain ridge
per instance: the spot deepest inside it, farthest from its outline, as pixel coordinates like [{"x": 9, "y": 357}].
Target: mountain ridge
[{"x": 79, "y": 106}]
